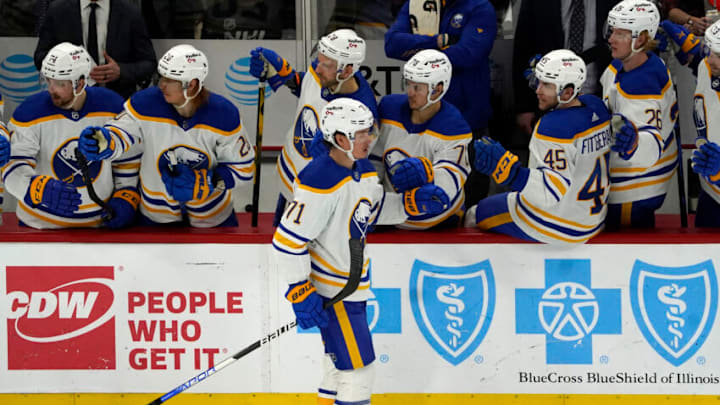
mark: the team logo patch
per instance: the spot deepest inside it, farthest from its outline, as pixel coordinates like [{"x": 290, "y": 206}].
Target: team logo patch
[
  {"x": 305, "y": 127},
  {"x": 66, "y": 168},
  {"x": 674, "y": 307},
  {"x": 194, "y": 158},
  {"x": 453, "y": 306},
  {"x": 457, "y": 20},
  {"x": 60, "y": 318},
  {"x": 360, "y": 219}
]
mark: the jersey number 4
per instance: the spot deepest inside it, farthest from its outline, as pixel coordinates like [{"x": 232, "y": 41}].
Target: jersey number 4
[{"x": 593, "y": 188}]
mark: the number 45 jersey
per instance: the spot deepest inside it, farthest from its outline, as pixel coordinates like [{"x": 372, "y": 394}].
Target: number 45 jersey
[{"x": 565, "y": 198}]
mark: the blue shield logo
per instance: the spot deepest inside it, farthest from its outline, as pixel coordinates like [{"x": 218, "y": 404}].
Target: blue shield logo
[
  {"x": 674, "y": 307},
  {"x": 453, "y": 306}
]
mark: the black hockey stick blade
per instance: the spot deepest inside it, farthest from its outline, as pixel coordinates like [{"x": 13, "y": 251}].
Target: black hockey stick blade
[
  {"x": 357, "y": 247},
  {"x": 88, "y": 181}
]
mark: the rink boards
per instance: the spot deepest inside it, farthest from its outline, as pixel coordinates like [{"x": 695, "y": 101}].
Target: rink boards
[{"x": 452, "y": 323}]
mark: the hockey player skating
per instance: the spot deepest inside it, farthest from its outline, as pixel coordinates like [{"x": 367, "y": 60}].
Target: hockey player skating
[
  {"x": 423, "y": 139},
  {"x": 638, "y": 86},
  {"x": 44, "y": 173},
  {"x": 335, "y": 73},
  {"x": 562, "y": 196},
  {"x": 336, "y": 198},
  {"x": 195, "y": 147}
]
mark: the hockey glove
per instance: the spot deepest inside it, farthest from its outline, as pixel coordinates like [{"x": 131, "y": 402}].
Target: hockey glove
[
  {"x": 4, "y": 151},
  {"x": 307, "y": 304},
  {"x": 411, "y": 173},
  {"x": 706, "y": 161},
  {"x": 529, "y": 73},
  {"x": 123, "y": 203},
  {"x": 96, "y": 143},
  {"x": 185, "y": 184},
  {"x": 317, "y": 146},
  {"x": 492, "y": 159},
  {"x": 266, "y": 62},
  {"x": 626, "y": 136},
  {"x": 58, "y": 197},
  {"x": 428, "y": 199},
  {"x": 680, "y": 40}
]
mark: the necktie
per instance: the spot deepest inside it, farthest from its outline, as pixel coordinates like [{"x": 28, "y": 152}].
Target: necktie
[
  {"x": 577, "y": 26},
  {"x": 92, "y": 45}
]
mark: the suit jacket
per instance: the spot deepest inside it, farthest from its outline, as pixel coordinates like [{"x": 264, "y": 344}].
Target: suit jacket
[
  {"x": 127, "y": 40},
  {"x": 539, "y": 30}
]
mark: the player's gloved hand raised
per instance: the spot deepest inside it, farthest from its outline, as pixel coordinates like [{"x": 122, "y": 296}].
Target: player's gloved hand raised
[
  {"x": 56, "y": 196},
  {"x": 185, "y": 184},
  {"x": 680, "y": 40},
  {"x": 706, "y": 161},
  {"x": 411, "y": 173},
  {"x": 4, "y": 151},
  {"x": 626, "y": 136},
  {"x": 492, "y": 159},
  {"x": 96, "y": 143},
  {"x": 427, "y": 199},
  {"x": 317, "y": 146},
  {"x": 123, "y": 204},
  {"x": 274, "y": 67},
  {"x": 307, "y": 304},
  {"x": 529, "y": 73}
]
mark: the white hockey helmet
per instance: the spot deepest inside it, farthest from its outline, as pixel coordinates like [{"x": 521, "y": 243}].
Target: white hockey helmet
[
  {"x": 184, "y": 63},
  {"x": 712, "y": 38},
  {"x": 563, "y": 68},
  {"x": 635, "y": 16},
  {"x": 431, "y": 67},
  {"x": 346, "y": 48},
  {"x": 346, "y": 116},
  {"x": 66, "y": 61}
]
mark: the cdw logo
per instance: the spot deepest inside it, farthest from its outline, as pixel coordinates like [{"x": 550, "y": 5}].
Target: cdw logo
[{"x": 60, "y": 318}]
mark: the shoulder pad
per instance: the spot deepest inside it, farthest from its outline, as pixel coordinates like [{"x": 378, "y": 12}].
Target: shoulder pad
[
  {"x": 650, "y": 79},
  {"x": 323, "y": 175},
  {"x": 391, "y": 106},
  {"x": 150, "y": 102},
  {"x": 219, "y": 113},
  {"x": 449, "y": 122},
  {"x": 36, "y": 106},
  {"x": 102, "y": 99}
]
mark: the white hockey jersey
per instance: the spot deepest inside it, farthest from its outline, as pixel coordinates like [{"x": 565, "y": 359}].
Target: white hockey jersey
[
  {"x": 331, "y": 205},
  {"x": 565, "y": 198},
  {"x": 443, "y": 140},
  {"x": 5, "y": 134},
  {"x": 708, "y": 99},
  {"x": 295, "y": 154},
  {"x": 213, "y": 136},
  {"x": 44, "y": 140},
  {"x": 646, "y": 96}
]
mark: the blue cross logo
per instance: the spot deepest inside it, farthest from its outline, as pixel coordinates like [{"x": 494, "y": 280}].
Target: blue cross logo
[{"x": 568, "y": 311}]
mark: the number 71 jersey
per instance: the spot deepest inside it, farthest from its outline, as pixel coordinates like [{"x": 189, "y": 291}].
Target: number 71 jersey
[{"x": 565, "y": 198}]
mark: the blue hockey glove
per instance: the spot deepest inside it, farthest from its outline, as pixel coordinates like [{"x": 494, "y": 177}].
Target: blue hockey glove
[
  {"x": 680, "y": 40},
  {"x": 275, "y": 67},
  {"x": 427, "y": 199},
  {"x": 492, "y": 159},
  {"x": 317, "y": 146},
  {"x": 529, "y": 73},
  {"x": 706, "y": 161},
  {"x": 58, "y": 197},
  {"x": 307, "y": 304},
  {"x": 411, "y": 173},
  {"x": 96, "y": 143},
  {"x": 626, "y": 136},
  {"x": 185, "y": 184},
  {"x": 123, "y": 203},
  {"x": 4, "y": 151}
]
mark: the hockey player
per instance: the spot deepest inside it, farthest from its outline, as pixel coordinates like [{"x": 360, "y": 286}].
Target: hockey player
[
  {"x": 4, "y": 156},
  {"x": 423, "y": 139},
  {"x": 562, "y": 196},
  {"x": 43, "y": 173},
  {"x": 335, "y": 73},
  {"x": 638, "y": 86},
  {"x": 336, "y": 198},
  {"x": 195, "y": 146},
  {"x": 706, "y": 158}
]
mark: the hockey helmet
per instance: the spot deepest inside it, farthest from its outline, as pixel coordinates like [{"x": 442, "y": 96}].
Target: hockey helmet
[
  {"x": 345, "y": 47},
  {"x": 346, "y": 116},
  {"x": 184, "y": 63},
  {"x": 562, "y": 67},
  {"x": 635, "y": 16},
  {"x": 66, "y": 61},
  {"x": 712, "y": 39},
  {"x": 431, "y": 67}
]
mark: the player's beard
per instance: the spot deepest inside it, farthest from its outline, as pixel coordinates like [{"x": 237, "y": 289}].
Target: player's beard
[{"x": 60, "y": 102}]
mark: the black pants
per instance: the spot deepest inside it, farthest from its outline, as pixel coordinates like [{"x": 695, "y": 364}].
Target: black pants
[{"x": 477, "y": 184}]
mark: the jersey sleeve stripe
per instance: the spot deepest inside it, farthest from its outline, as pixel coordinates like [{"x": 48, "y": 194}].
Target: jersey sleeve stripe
[
  {"x": 280, "y": 249},
  {"x": 10, "y": 167},
  {"x": 211, "y": 212},
  {"x": 643, "y": 184},
  {"x": 549, "y": 188},
  {"x": 553, "y": 235},
  {"x": 495, "y": 221},
  {"x": 556, "y": 218},
  {"x": 68, "y": 223},
  {"x": 287, "y": 242},
  {"x": 660, "y": 162},
  {"x": 562, "y": 188},
  {"x": 293, "y": 234},
  {"x": 658, "y": 172}
]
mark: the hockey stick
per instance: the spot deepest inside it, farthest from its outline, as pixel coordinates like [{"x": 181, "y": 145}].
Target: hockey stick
[
  {"x": 88, "y": 181},
  {"x": 356, "y": 267},
  {"x": 258, "y": 149}
]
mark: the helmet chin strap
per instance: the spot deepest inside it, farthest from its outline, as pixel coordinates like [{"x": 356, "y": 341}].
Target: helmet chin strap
[
  {"x": 430, "y": 101},
  {"x": 75, "y": 96},
  {"x": 187, "y": 99},
  {"x": 339, "y": 81}
]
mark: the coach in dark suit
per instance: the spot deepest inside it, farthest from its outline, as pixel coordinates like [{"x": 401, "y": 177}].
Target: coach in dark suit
[
  {"x": 545, "y": 25},
  {"x": 120, "y": 45}
]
